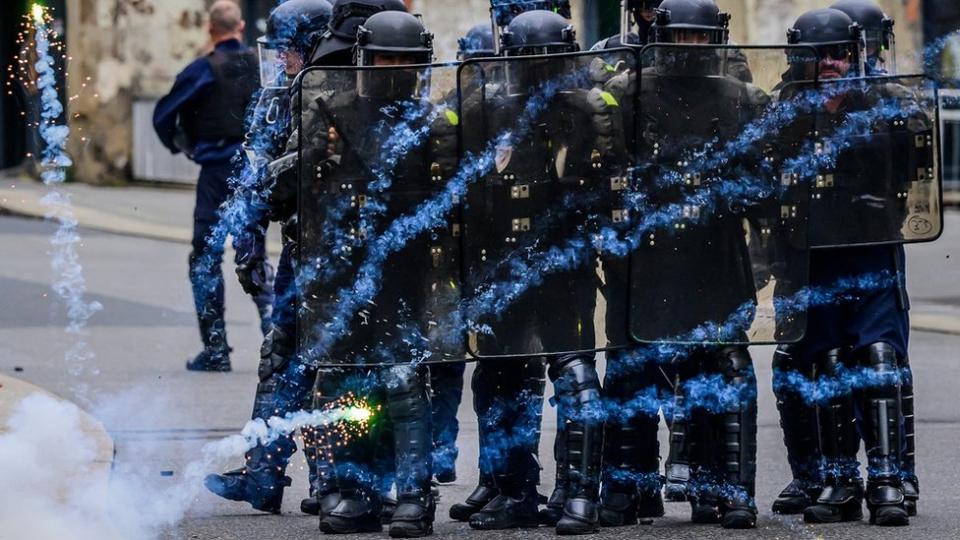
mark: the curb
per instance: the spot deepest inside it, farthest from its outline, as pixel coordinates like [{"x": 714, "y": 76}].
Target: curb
[{"x": 13, "y": 391}]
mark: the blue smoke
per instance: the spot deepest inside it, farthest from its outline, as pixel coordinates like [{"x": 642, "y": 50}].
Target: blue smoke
[{"x": 69, "y": 283}]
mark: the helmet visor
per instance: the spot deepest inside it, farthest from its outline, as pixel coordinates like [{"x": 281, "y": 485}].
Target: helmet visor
[{"x": 278, "y": 65}]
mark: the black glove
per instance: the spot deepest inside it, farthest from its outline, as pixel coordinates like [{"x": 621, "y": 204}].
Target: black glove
[{"x": 256, "y": 277}]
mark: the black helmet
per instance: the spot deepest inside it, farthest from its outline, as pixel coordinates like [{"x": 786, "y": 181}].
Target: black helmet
[
  {"x": 340, "y": 37},
  {"x": 877, "y": 28},
  {"x": 297, "y": 24},
  {"x": 700, "y": 16},
  {"x": 293, "y": 28},
  {"x": 831, "y": 31},
  {"x": 478, "y": 43},
  {"x": 392, "y": 33},
  {"x": 538, "y": 32}
]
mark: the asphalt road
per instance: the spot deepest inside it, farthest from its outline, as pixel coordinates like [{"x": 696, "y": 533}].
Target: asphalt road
[{"x": 160, "y": 415}]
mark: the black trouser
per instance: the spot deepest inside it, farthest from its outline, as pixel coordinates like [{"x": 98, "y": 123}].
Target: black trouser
[{"x": 206, "y": 275}]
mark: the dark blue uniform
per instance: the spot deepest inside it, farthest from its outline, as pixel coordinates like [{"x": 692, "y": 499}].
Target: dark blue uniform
[{"x": 208, "y": 103}]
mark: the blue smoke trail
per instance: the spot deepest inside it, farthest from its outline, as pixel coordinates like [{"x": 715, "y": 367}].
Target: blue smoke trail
[{"x": 69, "y": 283}]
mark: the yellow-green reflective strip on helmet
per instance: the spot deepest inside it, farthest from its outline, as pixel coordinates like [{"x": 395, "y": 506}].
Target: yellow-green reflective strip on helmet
[
  {"x": 609, "y": 99},
  {"x": 452, "y": 117}
]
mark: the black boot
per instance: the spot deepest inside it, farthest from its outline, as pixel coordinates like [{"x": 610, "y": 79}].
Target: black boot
[
  {"x": 842, "y": 495},
  {"x": 841, "y": 500},
  {"x": 413, "y": 517},
  {"x": 515, "y": 507},
  {"x": 578, "y": 390},
  {"x": 552, "y": 513},
  {"x": 632, "y": 481},
  {"x": 704, "y": 506},
  {"x": 738, "y": 453},
  {"x": 357, "y": 512},
  {"x": 798, "y": 420},
  {"x": 260, "y": 482},
  {"x": 209, "y": 359},
  {"x": 796, "y": 497},
  {"x": 408, "y": 403},
  {"x": 882, "y": 420},
  {"x": 482, "y": 494}
]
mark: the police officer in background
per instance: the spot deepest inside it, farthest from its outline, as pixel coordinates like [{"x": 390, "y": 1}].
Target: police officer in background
[
  {"x": 446, "y": 380},
  {"x": 203, "y": 116}
]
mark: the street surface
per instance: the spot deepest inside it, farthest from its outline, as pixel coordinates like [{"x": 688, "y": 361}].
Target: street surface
[{"x": 160, "y": 415}]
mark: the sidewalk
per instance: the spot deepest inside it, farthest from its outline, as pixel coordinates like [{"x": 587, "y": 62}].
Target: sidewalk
[
  {"x": 147, "y": 212},
  {"x": 13, "y": 391}
]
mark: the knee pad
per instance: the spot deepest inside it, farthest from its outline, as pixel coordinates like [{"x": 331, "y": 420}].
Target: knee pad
[
  {"x": 576, "y": 376},
  {"x": 406, "y": 389}
]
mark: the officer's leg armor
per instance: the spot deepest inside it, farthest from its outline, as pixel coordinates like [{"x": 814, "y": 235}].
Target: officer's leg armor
[
  {"x": 446, "y": 382},
  {"x": 882, "y": 437},
  {"x": 798, "y": 420},
  {"x": 578, "y": 395},
  {"x": 842, "y": 495},
  {"x": 509, "y": 409},
  {"x": 738, "y": 457},
  {"x": 317, "y": 449},
  {"x": 911, "y": 485},
  {"x": 631, "y": 452},
  {"x": 408, "y": 404},
  {"x": 360, "y": 504}
]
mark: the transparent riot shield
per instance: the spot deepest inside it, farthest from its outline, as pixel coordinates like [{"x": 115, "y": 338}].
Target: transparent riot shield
[
  {"x": 719, "y": 233},
  {"x": 878, "y": 177},
  {"x": 547, "y": 141},
  {"x": 378, "y": 250}
]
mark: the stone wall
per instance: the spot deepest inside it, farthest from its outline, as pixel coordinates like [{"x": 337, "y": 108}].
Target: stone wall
[
  {"x": 129, "y": 49},
  {"x": 451, "y": 19},
  {"x": 122, "y": 50}
]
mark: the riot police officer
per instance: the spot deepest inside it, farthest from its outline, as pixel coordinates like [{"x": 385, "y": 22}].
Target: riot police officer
[
  {"x": 353, "y": 109},
  {"x": 881, "y": 60},
  {"x": 285, "y": 382},
  {"x": 872, "y": 332},
  {"x": 722, "y": 475},
  {"x": 541, "y": 162}
]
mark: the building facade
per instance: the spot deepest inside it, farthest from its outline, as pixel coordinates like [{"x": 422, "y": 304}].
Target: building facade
[{"x": 126, "y": 53}]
